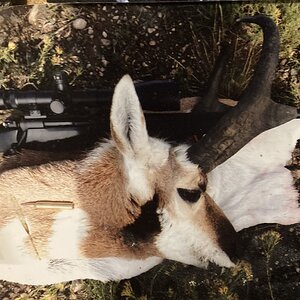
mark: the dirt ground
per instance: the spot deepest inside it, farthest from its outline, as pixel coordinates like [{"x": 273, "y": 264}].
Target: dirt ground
[{"x": 96, "y": 45}]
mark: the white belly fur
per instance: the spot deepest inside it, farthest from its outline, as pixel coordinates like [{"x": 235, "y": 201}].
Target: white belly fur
[
  {"x": 66, "y": 263},
  {"x": 69, "y": 229},
  {"x": 40, "y": 272}
]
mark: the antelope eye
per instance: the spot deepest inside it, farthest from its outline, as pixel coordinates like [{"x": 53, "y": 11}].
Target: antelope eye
[{"x": 189, "y": 195}]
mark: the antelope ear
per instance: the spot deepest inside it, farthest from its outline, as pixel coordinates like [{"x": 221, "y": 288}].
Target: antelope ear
[{"x": 127, "y": 121}]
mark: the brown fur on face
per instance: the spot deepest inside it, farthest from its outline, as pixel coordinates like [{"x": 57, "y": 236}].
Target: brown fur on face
[
  {"x": 223, "y": 230},
  {"x": 98, "y": 194}
]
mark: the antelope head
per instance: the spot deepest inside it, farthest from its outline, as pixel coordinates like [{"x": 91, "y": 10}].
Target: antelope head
[
  {"x": 190, "y": 226},
  {"x": 135, "y": 199}
]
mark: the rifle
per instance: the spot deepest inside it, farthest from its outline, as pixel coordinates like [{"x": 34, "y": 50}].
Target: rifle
[
  {"x": 63, "y": 118},
  {"x": 62, "y": 113}
]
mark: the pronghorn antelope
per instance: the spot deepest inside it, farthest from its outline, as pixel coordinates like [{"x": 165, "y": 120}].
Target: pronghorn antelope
[{"x": 135, "y": 200}]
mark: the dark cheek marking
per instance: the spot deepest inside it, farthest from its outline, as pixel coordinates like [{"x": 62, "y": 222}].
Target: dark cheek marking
[
  {"x": 226, "y": 234},
  {"x": 145, "y": 226}
]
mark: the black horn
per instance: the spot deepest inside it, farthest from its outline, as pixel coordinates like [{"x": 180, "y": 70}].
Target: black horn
[
  {"x": 209, "y": 102},
  {"x": 255, "y": 112}
]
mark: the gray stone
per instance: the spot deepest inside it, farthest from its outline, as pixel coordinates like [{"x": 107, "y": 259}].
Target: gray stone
[
  {"x": 105, "y": 42},
  {"x": 79, "y": 23},
  {"x": 294, "y": 72}
]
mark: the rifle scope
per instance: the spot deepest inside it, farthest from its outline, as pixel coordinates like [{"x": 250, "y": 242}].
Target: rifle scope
[
  {"x": 21, "y": 99},
  {"x": 156, "y": 95}
]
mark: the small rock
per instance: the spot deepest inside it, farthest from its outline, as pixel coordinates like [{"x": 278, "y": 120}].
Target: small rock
[
  {"x": 152, "y": 43},
  {"x": 159, "y": 14},
  {"x": 105, "y": 42},
  {"x": 285, "y": 75},
  {"x": 90, "y": 30},
  {"x": 104, "y": 62},
  {"x": 294, "y": 72},
  {"x": 14, "y": 19},
  {"x": 33, "y": 15},
  {"x": 79, "y": 23},
  {"x": 283, "y": 62},
  {"x": 104, "y": 34},
  {"x": 77, "y": 286},
  {"x": 150, "y": 30}
]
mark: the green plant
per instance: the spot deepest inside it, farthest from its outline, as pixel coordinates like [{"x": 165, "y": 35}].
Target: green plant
[
  {"x": 224, "y": 285},
  {"x": 269, "y": 240},
  {"x": 7, "y": 54},
  {"x": 98, "y": 290}
]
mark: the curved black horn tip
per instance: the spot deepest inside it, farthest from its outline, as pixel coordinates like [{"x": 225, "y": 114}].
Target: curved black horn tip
[{"x": 259, "y": 19}]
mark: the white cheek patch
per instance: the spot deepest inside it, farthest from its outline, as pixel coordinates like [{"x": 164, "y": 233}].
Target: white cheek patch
[
  {"x": 138, "y": 184},
  {"x": 69, "y": 229},
  {"x": 142, "y": 169},
  {"x": 185, "y": 242}
]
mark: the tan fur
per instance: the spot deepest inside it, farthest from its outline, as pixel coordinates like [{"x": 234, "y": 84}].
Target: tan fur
[
  {"x": 219, "y": 227},
  {"x": 21, "y": 185},
  {"x": 89, "y": 189},
  {"x": 208, "y": 220},
  {"x": 31, "y": 158},
  {"x": 97, "y": 196}
]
